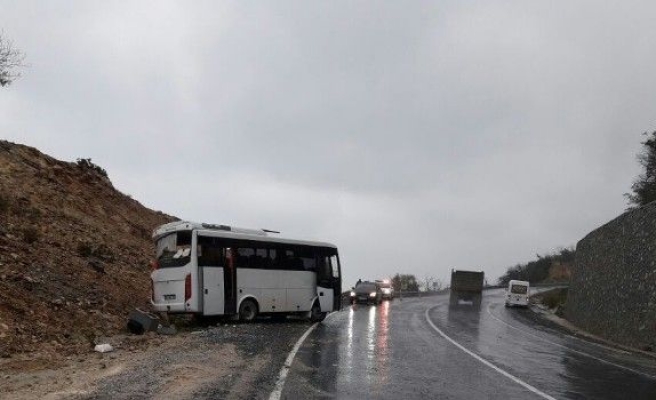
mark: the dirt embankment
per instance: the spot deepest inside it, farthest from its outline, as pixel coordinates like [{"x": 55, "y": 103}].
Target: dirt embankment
[{"x": 74, "y": 253}]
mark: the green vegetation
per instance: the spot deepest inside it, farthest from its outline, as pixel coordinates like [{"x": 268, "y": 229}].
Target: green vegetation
[
  {"x": 538, "y": 270},
  {"x": 644, "y": 187},
  {"x": 554, "y": 298}
]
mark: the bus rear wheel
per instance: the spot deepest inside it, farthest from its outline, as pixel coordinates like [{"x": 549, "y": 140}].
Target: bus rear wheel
[
  {"x": 315, "y": 313},
  {"x": 247, "y": 310}
]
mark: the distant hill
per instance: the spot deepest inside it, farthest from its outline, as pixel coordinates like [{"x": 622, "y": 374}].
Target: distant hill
[{"x": 74, "y": 252}]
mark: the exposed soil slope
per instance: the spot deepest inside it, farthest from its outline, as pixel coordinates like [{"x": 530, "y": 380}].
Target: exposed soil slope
[{"x": 74, "y": 252}]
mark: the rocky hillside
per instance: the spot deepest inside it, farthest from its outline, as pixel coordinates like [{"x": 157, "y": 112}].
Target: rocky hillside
[{"x": 74, "y": 252}]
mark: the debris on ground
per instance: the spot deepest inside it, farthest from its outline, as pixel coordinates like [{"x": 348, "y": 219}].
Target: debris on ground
[
  {"x": 103, "y": 348},
  {"x": 140, "y": 321}
]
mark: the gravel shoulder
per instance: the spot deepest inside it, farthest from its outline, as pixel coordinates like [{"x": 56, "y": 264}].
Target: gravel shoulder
[{"x": 228, "y": 360}]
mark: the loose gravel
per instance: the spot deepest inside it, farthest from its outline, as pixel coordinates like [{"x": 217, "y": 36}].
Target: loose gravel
[{"x": 224, "y": 361}]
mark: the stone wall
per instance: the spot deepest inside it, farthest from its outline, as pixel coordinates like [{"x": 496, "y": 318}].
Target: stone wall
[{"x": 613, "y": 285}]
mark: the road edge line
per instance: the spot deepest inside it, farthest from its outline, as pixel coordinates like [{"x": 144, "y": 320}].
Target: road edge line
[
  {"x": 282, "y": 377},
  {"x": 484, "y": 361}
]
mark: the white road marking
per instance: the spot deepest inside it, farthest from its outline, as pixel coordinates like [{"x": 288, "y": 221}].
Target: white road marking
[
  {"x": 277, "y": 392},
  {"x": 569, "y": 348},
  {"x": 485, "y": 362}
]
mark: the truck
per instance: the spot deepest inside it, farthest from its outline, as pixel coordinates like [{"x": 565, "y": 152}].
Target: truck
[{"x": 466, "y": 286}]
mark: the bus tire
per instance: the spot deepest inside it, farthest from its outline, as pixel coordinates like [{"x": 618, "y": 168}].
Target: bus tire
[
  {"x": 315, "y": 313},
  {"x": 247, "y": 310}
]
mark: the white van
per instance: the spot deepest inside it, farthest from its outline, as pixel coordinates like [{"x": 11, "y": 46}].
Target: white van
[{"x": 517, "y": 293}]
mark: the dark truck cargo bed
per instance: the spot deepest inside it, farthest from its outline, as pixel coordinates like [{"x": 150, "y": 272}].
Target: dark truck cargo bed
[{"x": 466, "y": 286}]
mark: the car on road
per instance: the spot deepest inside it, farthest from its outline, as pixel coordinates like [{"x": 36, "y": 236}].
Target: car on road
[{"x": 366, "y": 292}]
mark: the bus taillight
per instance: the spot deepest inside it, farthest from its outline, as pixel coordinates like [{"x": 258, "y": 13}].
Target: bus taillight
[
  {"x": 154, "y": 265},
  {"x": 188, "y": 287}
]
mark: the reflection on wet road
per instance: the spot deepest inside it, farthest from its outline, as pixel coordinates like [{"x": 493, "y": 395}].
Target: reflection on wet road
[
  {"x": 391, "y": 351},
  {"x": 366, "y": 349}
]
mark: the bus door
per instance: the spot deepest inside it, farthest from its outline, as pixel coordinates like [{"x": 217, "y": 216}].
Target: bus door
[
  {"x": 329, "y": 284},
  {"x": 210, "y": 263},
  {"x": 230, "y": 279}
]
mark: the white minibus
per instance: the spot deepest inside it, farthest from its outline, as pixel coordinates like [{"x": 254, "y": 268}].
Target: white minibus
[
  {"x": 210, "y": 270},
  {"x": 517, "y": 293}
]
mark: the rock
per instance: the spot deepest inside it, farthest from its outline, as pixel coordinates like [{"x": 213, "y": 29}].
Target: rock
[
  {"x": 140, "y": 322},
  {"x": 103, "y": 348},
  {"x": 166, "y": 330}
]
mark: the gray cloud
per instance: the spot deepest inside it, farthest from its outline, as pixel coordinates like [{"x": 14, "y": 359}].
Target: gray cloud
[{"x": 418, "y": 137}]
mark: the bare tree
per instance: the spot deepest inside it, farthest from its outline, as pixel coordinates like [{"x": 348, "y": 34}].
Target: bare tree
[
  {"x": 11, "y": 59},
  {"x": 431, "y": 283}
]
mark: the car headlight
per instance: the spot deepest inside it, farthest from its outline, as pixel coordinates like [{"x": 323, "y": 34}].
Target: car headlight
[
  {"x": 352, "y": 294},
  {"x": 372, "y": 294}
]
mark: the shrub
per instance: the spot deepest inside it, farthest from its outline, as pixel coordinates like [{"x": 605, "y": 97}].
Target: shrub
[
  {"x": 554, "y": 298},
  {"x": 33, "y": 214},
  {"x": 84, "y": 249},
  {"x": 31, "y": 234},
  {"x": 87, "y": 164}
]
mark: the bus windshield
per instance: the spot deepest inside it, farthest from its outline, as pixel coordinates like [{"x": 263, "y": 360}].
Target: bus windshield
[{"x": 174, "y": 250}]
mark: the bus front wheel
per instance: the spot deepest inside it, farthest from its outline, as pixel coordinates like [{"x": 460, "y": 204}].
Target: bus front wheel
[
  {"x": 247, "y": 310},
  {"x": 315, "y": 313}
]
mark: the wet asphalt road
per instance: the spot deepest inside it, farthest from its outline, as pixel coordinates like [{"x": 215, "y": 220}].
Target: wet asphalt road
[{"x": 393, "y": 352}]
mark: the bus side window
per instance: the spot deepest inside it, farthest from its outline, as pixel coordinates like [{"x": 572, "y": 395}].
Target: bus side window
[
  {"x": 244, "y": 257},
  {"x": 272, "y": 260},
  {"x": 210, "y": 252},
  {"x": 260, "y": 259},
  {"x": 287, "y": 260},
  {"x": 308, "y": 260}
]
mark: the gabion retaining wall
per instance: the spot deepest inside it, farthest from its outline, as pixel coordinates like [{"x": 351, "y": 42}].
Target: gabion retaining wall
[{"x": 613, "y": 285}]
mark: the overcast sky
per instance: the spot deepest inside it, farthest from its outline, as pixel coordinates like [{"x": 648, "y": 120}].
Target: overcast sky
[{"x": 416, "y": 136}]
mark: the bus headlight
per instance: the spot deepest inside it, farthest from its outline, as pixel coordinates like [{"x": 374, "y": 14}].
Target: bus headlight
[
  {"x": 372, "y": 294},
  {"x": 352, "y": 294}
]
